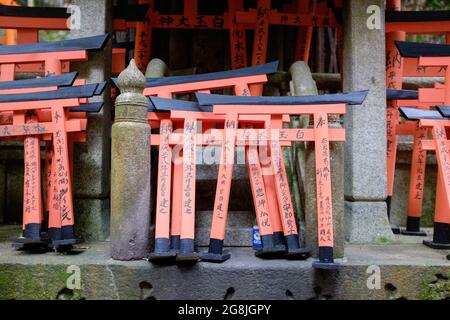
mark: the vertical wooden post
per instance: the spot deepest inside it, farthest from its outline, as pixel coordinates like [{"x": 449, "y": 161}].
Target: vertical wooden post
[
  {"x": 188, "y": 193},
  {"x": 143, "y": 45},
  {"x": 394, "y": 73},
  {"x": 130, "y": 174}
]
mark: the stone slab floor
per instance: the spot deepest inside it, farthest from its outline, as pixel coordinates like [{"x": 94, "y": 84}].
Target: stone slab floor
[{"x": 402, "y": 269}]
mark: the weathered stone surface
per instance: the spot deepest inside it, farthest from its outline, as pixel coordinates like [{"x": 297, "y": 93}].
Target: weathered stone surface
[
  {"x": 364, "y": 51},
  {"x": 418, "y": 273},
  {"x": 91, "y": 178},
  {"x": 130, "y": 174},
  {"x": 365, "y": 148},
  {"x": 239, "y": 228},
  {"x": 92, "y": 219},
  {"x": 366, "y": 223},
  {"x": 91, "y": 159},
  {"x": 156, "y": 69}
]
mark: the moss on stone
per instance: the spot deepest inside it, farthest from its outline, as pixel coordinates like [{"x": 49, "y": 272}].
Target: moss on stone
[
  {"x": 438, "y": 288},
  {"x": 384, "y": 240},
  {"x": 37, "y": 283}
]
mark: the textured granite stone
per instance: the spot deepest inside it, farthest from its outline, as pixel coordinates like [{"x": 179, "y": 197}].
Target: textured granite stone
[
  {"x": 365, "y": 222},
  {"x": 130, "y": 172},
  {"x": 365, "y": 148},
  {"x": 239, "y": 228},
  {"x": 417, "y": 273},
  {"x": 364, "y": 69}
]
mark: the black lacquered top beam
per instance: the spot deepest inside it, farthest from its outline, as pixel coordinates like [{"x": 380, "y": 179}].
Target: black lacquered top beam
[
  {"x": 415, "y": 49},
  {"x": 353, "y": 98},
  {"x": 262, "y": 69},
  {"x": 33, "y": 12},
  {"x": 93, "y": 107},
  {"x": 444, "y": 111},
  {"x": 392, "y": 94},
  {"x": 418, "y": 114},
  {"x": 417, "y": 16},
  {"x": 161, "y": 104},
  {"x": 64, "y": 80},
  {"x": 90, "y": 43},
  {"x": 131, "y": 12},
  {"x": 85, "y": 91}
]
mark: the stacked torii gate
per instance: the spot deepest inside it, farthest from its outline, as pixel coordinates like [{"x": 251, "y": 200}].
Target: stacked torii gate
[
  {"x": 398, "y": 25},
  {"x": 303, "y": 14}
]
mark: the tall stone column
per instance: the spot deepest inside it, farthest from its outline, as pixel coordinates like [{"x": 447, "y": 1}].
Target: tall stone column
[
  {"x": 92, "y": 159},
  {"x": 365, "y": 148},
  {"x": 130, "y": 169}
]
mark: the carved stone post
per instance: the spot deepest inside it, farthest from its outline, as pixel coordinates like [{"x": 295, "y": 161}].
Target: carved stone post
[{"x": 130, "y": 169}]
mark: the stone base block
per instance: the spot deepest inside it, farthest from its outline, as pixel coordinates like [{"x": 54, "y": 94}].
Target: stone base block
[
  {"x": 92, "y": 219},
  {"x": 367, "y": 222},
  {"x": 239, "y": 228}
]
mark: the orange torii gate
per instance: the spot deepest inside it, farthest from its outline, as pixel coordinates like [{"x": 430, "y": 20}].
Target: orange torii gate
[
  {"x": 308, "y": 14},
  {"x": 276, "y": 107},
  {"x": 46, "y": 113},
  {"x": 268, "y": 219},
  {"x": 426, "y": 55},
  {"x": 243, "y": 81},
  {"x": 190, "y": 19},
  {"x": 26, "y": 22},
  {"x": 437, "y": 124},
  {"x": 52, "y": 56},
  {"x": 398, "y": 24}
]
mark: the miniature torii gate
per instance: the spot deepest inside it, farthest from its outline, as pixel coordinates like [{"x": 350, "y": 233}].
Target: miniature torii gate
[
  {"x": 242, "y": 81},
  {"x": 438, "y": 125},
  {"x": 38, "y": 119},
  {"x": 190, "y": 19},
  {"x": 272, "y": 247},
  {"x": 53, "y": 55},
  {"x": 275, "y": 107},
  {"x": 28, "y": 21},
  {"x": 398, "y": 24},
  {"x": 308, "y": 14},
  {"x": 434, "y": 55},
  {"x": 61, "y": 219}
]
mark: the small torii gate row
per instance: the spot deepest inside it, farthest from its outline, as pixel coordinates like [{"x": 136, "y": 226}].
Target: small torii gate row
[
  {"x": 47, "y": 114},
  {"x": 398, "y": 25},
  {"x": 251, "y": 110},
  {"x": 28, "y": 21},
  {"x": 304, "y": 14},
  {"x": 437, "y": 123},
  {"x": 273, "y": 241},
  {"x": 52, "y": 55},
  {"x": 242, "y": 82},
  {"x": 425, "y": 55}
]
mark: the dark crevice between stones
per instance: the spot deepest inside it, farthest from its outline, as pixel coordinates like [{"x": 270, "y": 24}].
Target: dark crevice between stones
[
  {"x": 229, "y": 294},
  {"x": 319, "y": 296},
  {"x": 146, "y": 291},
  {"x": 390, "y": 287},
  {"x": 67, "y": 294},
  {"x": 289, "y": 295},
  {"x": 392, "y": 292}
]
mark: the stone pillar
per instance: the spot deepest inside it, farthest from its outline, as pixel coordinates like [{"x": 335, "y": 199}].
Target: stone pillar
[
  {"x": 365, "y": 163},
  {"x": 130, "y": 170},
  {"x": 303, "y": 84},
  {"x": 92, "y": 159}
]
